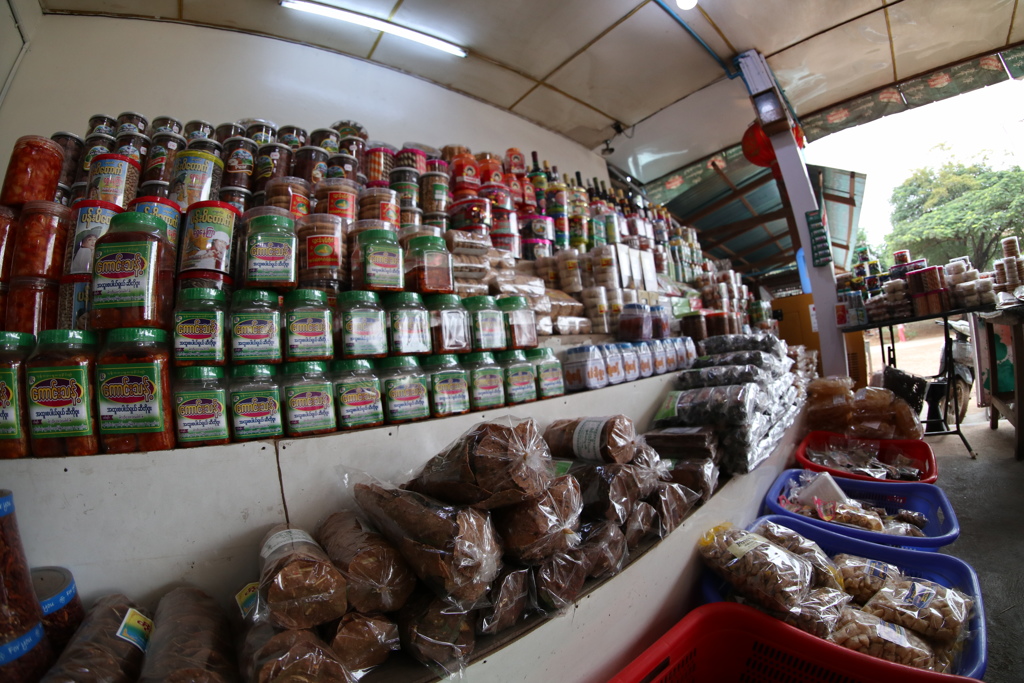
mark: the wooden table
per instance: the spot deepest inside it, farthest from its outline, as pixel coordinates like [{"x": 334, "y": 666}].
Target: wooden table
[{"x": 1007, "y": 404}]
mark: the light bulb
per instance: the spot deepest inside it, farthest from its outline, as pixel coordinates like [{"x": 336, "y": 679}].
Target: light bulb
[{"x": 686, "y": 4}]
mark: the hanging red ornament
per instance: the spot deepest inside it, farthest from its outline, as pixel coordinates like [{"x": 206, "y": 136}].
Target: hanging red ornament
[{"x": 757, "y": 148}]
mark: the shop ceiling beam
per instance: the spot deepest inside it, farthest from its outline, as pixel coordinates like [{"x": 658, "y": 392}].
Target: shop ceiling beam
[
  {"x": 761, "y": 266},
  {"x": 839, "y": 199},
  {"x": 723, "y": 233},
  {"x": 747, "y": 204},
  {"x": 728, "y": 199},
  {"x": 761, "y": 245}
]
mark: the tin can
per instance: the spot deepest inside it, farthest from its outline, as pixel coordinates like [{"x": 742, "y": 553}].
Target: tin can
[
  {"x": 196, "y": 177},
  {"x": 113, "y": 178},
  {"x": 206, "y": 239}
]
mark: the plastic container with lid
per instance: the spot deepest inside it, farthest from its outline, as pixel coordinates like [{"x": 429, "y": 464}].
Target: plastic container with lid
[
  {"x": 519, "y": 376},
  {"x": 408, "y": 325},
  {"x": 434, "y": 192},
  {"x": 197, "y": 128},
  {"x": 40, "y": 240},
  {"x": 162, "y": 124},
  {"x": 357, "y": 394},
  {"x": 131, "y": 122},
  {"x": 255, "y": 399},
  {"x": 406, "y": 183},
  {"x": 548, "y": 371},
  {"x": 377, "y": 262},
  {"x": 671, "y": 354},
  {"x": 361, "y": 328},
  {"x": 405, "y": 390},
  {"x": 101, "y": 123},
  {"x": 290, "y": 193},
  {"x": 209, "y": 241},
  {"x": 113, "y": 178},
  {"x": 487, "y": 322},
  {"x": 322, "y": 248},
  {"x": 658, "y": 356},
  {"x": 72, "y": 146},
  {"x": 135, "y": 146},
  {"x": 165, "y": 210},
  {"x": 660, "y": 322},
  {"x": 134, "y": 408},
  {"x": 694, "y": 325},
  {"x": 486, "y": 381},
  {"x": 309, "y": 326},
  {"x": 520, "y": 323},
  {"x": 472, "y": 213},
  {"x": 200, "y": 328},
  {"x": 95, "y": 144},
  {"x": 645, "y": 359},
  {"x": 201, "y": 407},
  {"x": 635, "y": 323},
  {"x": 8, "y": 232},
  {"x": 465, "y": 173},
  {"x": 325, "y": 138},
  {"x": 585, "y": 368},
  {"x": 14, "y": 349},
  {"x": 59, "y": 391},
  {"x": 379, "y": 162},
  {"x": 308, "y": 399},
  {"x": 238, "y": 197},
  {"x": 337, "y": 196},
  {"x": 613, "y": 363},
  {"x": 239, "y": 162},
  {"x": 255, "y": 328},
  {"x": 32, "y": 305},
  {"x": 271, "y": 258},
  {"x": 261, "y": 131},
  {"x": 450, "y": 327},
  {"x": 273, "y": 160},
  {"x": 342, "y": 165},
  {"x": 293, "y": 136},
  {"x": 449, "y": 385},
  {"x": 428, "y": 266},
  {"x": 33, "y": 171}
]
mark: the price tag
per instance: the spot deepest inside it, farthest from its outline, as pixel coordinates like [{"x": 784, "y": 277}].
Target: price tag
[
  {"x": 246, "y": 598},
  {"x": 136, "y": 628}
]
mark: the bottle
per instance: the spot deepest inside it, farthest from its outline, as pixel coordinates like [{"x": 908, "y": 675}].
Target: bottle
[
  {"x": 200, "y": 407},
  {"x": 255, "y": 400},
  {"x": 357, "y": 395}
]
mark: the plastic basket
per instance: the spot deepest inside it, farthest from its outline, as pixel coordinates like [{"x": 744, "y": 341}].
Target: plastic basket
[
  {"x": 725, "y": 643},
  {"x": 944, "y": 570},
  {"x": 916, "y": 450},
  {"x": 942, "y": 528}
]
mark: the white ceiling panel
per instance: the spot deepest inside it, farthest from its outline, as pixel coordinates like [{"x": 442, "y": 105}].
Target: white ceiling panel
[
  {"x": 142, "y": 8},
  {"x": 693, "y": 128},
  {"x": 470, "y": 75},
  {"x": 560, "y": 113},
  {"x": 927, "y": 34},
  {"x": 536, "y": 36},
  {"x": 644, "y": 64},
  {"x": 836, "y": 65}
]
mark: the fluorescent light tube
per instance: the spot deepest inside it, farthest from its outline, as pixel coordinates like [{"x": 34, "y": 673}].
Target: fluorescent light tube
[
  {"x": 686, "y": 4},
  {"x": 375, "y": 24}
]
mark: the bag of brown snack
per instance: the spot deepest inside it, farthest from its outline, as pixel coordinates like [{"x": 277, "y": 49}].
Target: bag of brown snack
[
  {"x": 600, "y": 439},
  {"x": 433, "y": 634},
  {"x": 697, "y": 475},
  {"x": 510, "y": 597},
  {"x": 96, "y": 654},
  {"x": 673, "y": 503},
  {"x": 609, "y": 491},
  {"x": 298, "y": 583},
  {"x": 362, "y": 641},
  {"x": 272, "y": 656},
  {"x": 604, "y": 549},
  {"x": 560, "y": 580},
  {"x": 536, "y": 529},
  {"x": 641, "y": 523},
  {"x": 191, "y": 641}
]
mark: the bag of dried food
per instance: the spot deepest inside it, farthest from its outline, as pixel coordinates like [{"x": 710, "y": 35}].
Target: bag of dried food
[
  {"x": 604, "y": 549},
  {"x": 272, "y": 656},
  {"x": 609, "y": 491},
  {"x": 299, "y": 585},
  {"x": 818, "y": 614},
  {"x": 826, "y": 574},
  {"x": 601, "y": 439},
  {"x": 641, "y": 523},
  {"x": 867, "y": 633},
  {"x": 510, "y": 598},
  {"x": 560, "y": 580},
  {"x": 773, "y": 365},
  {"x": 684, "y": 443},
  {"x": 534, "y": 530},
  {"x": 700, "y": 476},
  {"x": 673, "y": 503},
  {"x": 435, "y": 635},
  {"x": 363, "y": 641},
  {"x": 733, "y": 405},
  {"x": 892, "y": 527},
  {"x": 862, "y": 578},
  {"x": 722, "y": 376},
  {"x": 728, "y": 343},
  {"x": 927, "y": 608},
  {"x": 96, "y": 652},
  {"x": 191, "y": 640}
]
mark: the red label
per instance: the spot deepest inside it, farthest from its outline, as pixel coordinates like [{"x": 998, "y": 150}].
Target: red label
[{"x": 323, "y": 251}]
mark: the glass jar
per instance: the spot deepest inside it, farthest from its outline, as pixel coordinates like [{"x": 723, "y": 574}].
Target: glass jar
[
  {"x": 32, "y": 305},
  {"x": 270, "y": 254},
  {"x": 309, "y": 326},
  {"x": 405, "y": 389},
  {"x": 40, "y": 240},
  {"x": 290, "y": 193},
  {"x": 14, "y": 349},
  {"x": 239, "y": 162},
  {"x": 658, "y": 356},
  {"x": 408, "y": 325},
  {"x": 308, "y": 399},
  {"x": 613, "y": 364},
  {"x": 338, "y": 197},
  {"x": 322, "y": 251},
  {"x": 8, "y": 231},
  {"x": 635, "y": 323},
  {"x": 33, "y": 171},
  {"x": 255, "y": 399},
  {"x": 488, "y": 323},
  {"x": 645, "y": 359},
  {"x": 361, "y": 329},
  {"x": 200, "y": 407},
  {"x": 519, "y": 377},
  {"x": 694, "y": 325},
  {"x": 585, "y": 368},
  {"x": 659, "y": 322},
  {"x": 428, "y": 268},
  {"x": 357, "y": 394},
  {"x": 520, "y": 322},
  {"x": 486, "y": 383},
  {"x": 377, "y": 262},
  {"x": 59, "y": 391},
  {"x": 133, "y": 391},
  {"x": 95, "y": 145},
  {"x": 133, "y": 274},
  {"x": 449, "y": 390},
  {"x": 255, "y": 328},
  {"x": 548, "y": 371},
  {"x": 200, "y": 329},
  {"x": 450, "y": 328}
]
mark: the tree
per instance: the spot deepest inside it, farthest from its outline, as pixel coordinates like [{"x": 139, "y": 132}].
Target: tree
[{"x": 957, "y": 210}]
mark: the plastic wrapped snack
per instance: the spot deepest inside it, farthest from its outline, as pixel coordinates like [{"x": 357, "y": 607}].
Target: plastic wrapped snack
[
  {"x": 563, "y": 305},
  {"x": 721, "y": 376},
  {"x": 535, "y": 529},
  {"x": 862, "y": 578},
  {"x": 906, "y": 422},
  {"x": 378, "y": 577},
  {"x": 522, "y": 285},
  {"x": 826, "y": 574},
  {"x": 466, "y": 287},
  {"x": 684, "y": 443},
  {"x": 453, "y": 550},
  {"x": 497, "y": 463},
  {"x": 191, "y": 641},
  {"x": 604, "y": 549},
  {"x": 641, "y": 523},
  {"x": 433, "y": 634},
  {"x": 270, "y": 656},
  {"x": 609, "y": 492},
  {"x": 700, "y": 476},
  {"x": 851, "y": 514},
  {"x": 510, "y": 596},
  {"x": 724, "y": 406},
  {"x": 467, "y": 243},
  {"x": 560, "y": 580},
  {"x": 603, "y": 439},
  {"x": 759, "y": 570},
  {"x": 673, "y": 503},
  {"x": 361, "y": 641},
  {"x": 893, "y": 527},
  {"x": 867, "y": 633},
  {"x": 819, "y": 613},
  {"x": 909, "y": 387},
  {"x": 936, "y": 612},
  {"x": 96, "y": 654},
  {"x": 298, "y": 583},
  {"x": 918, "y": 519},
  {"x": 729, "y": 343},
  {"x": 470, "y": 267},
  {"x": 772, "y": 364}
]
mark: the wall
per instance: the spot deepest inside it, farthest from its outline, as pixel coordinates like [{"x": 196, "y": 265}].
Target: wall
[{"x": 79, "y": 66}]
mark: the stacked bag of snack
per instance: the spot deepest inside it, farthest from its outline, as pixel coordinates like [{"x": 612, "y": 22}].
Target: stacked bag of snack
[{"x": 870, "y": 413}]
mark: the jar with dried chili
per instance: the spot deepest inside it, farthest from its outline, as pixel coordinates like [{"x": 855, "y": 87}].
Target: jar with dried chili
[
  {"x": 200, "y": 407},
  {"x": 14, "y": 348},
  {"x": 59, "y": 392},
  {"x": 133, "y": 384},
  {"x": 428, "y": 268},
  {"x": 41, "y": 240},
  {"x": 308, "y": 399},
  {"x": 32, "y": 305}
]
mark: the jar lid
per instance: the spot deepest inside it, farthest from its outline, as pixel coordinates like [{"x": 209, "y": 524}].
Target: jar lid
[
  {"x": 586, "y": 350},
  {"x": 200, "y": 373},
  {"x": 427, "y": 241},
  {"x": 351, "y": 365},
  {"x": 479, "y": 357},
  {"x": 136, "y": 220},
  {"x": 64, "y": 133},
  {"x": 17, "y": 339},
  {"x": 305, "y": 296},
  {"x": 200, "y": 293},
  {"x": 441, "y": 360},
  {"x": 240, "y": 371},
  {"x": 439, "y": 300},
  {"x": 541, "y": 353},
  {"x": 404, "y": 169},
  {"x": 397, "y": 362},
  {"x": 271, "y": 221},
  {"x": 66, "y": 337},
  {"x": 397, "y": 299},
  {"x": 256, "y": 296},
  {"x": 47, "y": 207},
  {"x": 373, "y": 235},
  {"x": 305, "y": 367},
  {"x": 657, "y": 309},
  {"x": 512, "y": 303},
  {"x": 358, "y": 296},
  {"x": 260, "y": 122},
  {"x": 234, "y": 188},
  {"x": 512, "y": 355},
  {"x": 625, "y": 346},
  {"x": 314, "y": 148},
  {"x": 144, "y": 335},
  {"x": 322, "y": 220},
  {"x": 477, "y": 303}
]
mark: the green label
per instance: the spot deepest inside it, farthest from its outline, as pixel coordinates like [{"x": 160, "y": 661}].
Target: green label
[
  {"x": 487, "y": 389},
  {"x": 310, "y": 335},
  {"x": 405, "y": 398},
  {"x": 123, "y": 274},
  {"x": 520, "y": 384},
  {"x": 449, "y": 392},
  {"x": 271, "y": 259},
  {"x": 562, "y": 467},
  {"x": 256, "y": 414},
  {"x": 130, "y": 398},
  {"x": 199, "y": 335},
  {"x": 308, "y": 407},
  {"x": 10, "y": 410},
  {"x": 382, "y": 266},
  {"x": 409, "y": 332},
  {"x": 549, "y": 379},
  {"x": 362, "y": 334},
  {"x": 488, "y": 330},
  {"x": 58, "y": 402},
  {"x": 256, "y": 336},
  {"x": 359, "y": 402},
  {"x": 201, "y": 415}
]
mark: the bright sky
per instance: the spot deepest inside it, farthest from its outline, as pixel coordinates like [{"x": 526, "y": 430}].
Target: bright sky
[{"x": 985, "y": 123}]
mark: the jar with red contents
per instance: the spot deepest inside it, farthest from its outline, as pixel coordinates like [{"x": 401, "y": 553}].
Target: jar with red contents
[
  {"x": 311, "y": 164},
  {"x": 515, "y": 188},
  {"x": 14, "y": 349},
  {"x": 8, "y": 229},
  {"x": 635, "y": 323},
  {"x": 41, "y": 240},
  {"x": 32, "y": 304},
  {"x": 472, "y": 213},
  {"x": 491, "y": 168},
  {"x": 428, "y": 268},
  {"x": 33, "y": 171},
  {"x": 499, "y": 196},
  {"x": 380, "y": 159},
  {"x": 515, "y": 161},
  {"x": 465, "y": 176},
  {"x": 60, "y": 395}
]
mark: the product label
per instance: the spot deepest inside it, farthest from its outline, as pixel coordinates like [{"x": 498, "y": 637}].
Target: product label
[
  {"x": 130, "y": 398},
  {"x": 586, "y": 440},
  {"x": 284, "y": 538},
  {"x": 382, "y": 266},
  {"x": 896, "y": 635},
  {"x": 520, "y": 385},
  {"x": 157, "y": 160},
  {"x": 309, "y": 408},
  {"x": 919, "y": 595},
  {"x": 646, "y": 364},
  {"x": 201, "y": 415},
  {"x": 488, "y": 389},
  {"x": 123, "y": 274},
  {"x": 127, "y": 129},
  {"x": 341, "y": 204},
  {"x": 199, "y": 335},
  {"x": 206, "y": 240},
  {"x": 247, "y": 597},
  {"x": 136, "y": 628},
  {"x": 389, "y": 212},
  {"x": 405, "y": 398},
  {"x": 240, "y": 161},
  {"x": 291, "y": 139},
  {"x": 10, "y": 410},
  {"x": 298, "y": 205},
  {"x": 168, "y": 214},
  {"x": 107, "y": 180},
  {"x": 318, "y": 173},
  {"x": 488, "y": 330},
  {"x": 58, "y": 402},
  {"x": 439, "y": 191},
  {"x": 256, "y": 414},
  {"x": 262, "y": 137},
  {"x": 310, "y": 335},
  {"x": 323, "y": 251},
  {"x": 91, "y": 223},
  {"x": 549, "y": 376},
  {"x": 359, "y": 402},
  {"x": 256, "y": 336},
  {"x": 266, "y": 163},
  {"x": 130, "y": 151},
  {"x": 450, "y": 392},
  {"x": 93, "y": 151},
  {"x": 659, "y": 361},
  {"x": 409, "y": 332},
  {"x": 271, "y": 260},
  {"x": 362, "y": 333},
  {"x": 20, "y": 646},
  {"x": 614, "y": 370},
  {"x": 746, "y": 544}
]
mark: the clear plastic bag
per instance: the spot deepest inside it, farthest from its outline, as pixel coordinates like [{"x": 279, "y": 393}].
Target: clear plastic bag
[
  {"x": 722, "y": 376},
  {"x": 774, "y": 365},
  {"x": 610, "y": 438},
  {"x": 299, "y": 585},
  {"x": 363, "y": 641},
  {"x": 933, "y": 611},
  {"x": 271, "y": 656},
  {"x": 908, "y": 386},
  {"x": 826, "y": 574},
  {"x": 728, "y": 343},
  {"x": 535, "y": 529},
  {"x": 684, "y": 443},
  {"x": 522, "y": 285},
  {"x": 732, "y": 405},
  {"x": 604, "y": 549},
  {"x": 673, "y": 503},
  {"x": 867, "y": 633},
  {"x": 559, "y": 581},
  {"x": 435, "y": 635},
  {"x": 819, "y": 613},
  {"x": 466, "y": 287},
  {"x": 641, "y": 523},
  {"x": 95, "y": 652},
  {"x": 862, "y": 578},
  {"x": 465, "y": 242},
  {"x": 470, "y": 267},
  {"x": 893, "y": 527},
  {"x": 510, "y": 599},
  {"x": 191, "y": 640},
  {"x": 700, "y": 476},
  {"x": 609, "y": 492}
]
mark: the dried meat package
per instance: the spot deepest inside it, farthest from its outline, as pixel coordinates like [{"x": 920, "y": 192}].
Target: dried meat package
[
  {"x": 609, "y": 491},
  {"x": 641, "y": 523},
  {"x": 191, "y": 641},
  {"x": 272, "y": 656},
  {"x": 298, "y": 583},
  {"x": 673, "y": 503},
  {"x": 510, "y": 597},
  {"x": 433, "y": 634},
  {"x": 560, "y": 581},
  {"x": 98, "y": 653},
  {"x": 609, "y": 439},
  {"x": 604, "y": 549},
  {"x": 497, "y": 463},
  {"x": 535, "y": 529},
  {"x": 363, "y": 641},
  {"x": 453, "y": 550},
  {"x": 379, "y": 579}
]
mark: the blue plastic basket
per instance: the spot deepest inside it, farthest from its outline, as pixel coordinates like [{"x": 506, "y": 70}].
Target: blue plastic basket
[
  {"x": 945, "y": 570},
  {"x": 942, "y": 528}
]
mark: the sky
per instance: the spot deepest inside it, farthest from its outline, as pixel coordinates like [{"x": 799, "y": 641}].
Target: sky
[{"x": 986, "y": 123}]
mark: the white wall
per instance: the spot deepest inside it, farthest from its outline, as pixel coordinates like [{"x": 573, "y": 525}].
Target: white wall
[{"x": 79, "y": 66}]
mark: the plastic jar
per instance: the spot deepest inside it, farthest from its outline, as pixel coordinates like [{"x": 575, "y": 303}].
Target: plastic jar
[
  {"x": 659, "y": 322},
  {"x": 238, "y": 197},
  {"x": 659, "y": 360},
  {"x": 322, "y": 249},
  {"x": 357, "y": 394},
  {"x": 308, "y": 399},
  {"x": 8, "y": 232},
  {"x": 290, "y": 193},
  {"x": 162, "y": 153},
  {"x": 165, "y": 210},
  {"x": 95, "y": 144},
  {"x": 450, "y": 327},
  {"x": 465, "y": 176},
  {"x": 101, "y": 123},
  {"x": 261, "y": 131},
  {"x": 239, "y": 162},
  {"x": 515, "y": 161},
  {"x": 255, "y": 398},
  {"x": 134, "y": 408},
  {"x": 255, "y": 327},
  {"x": 200, "y": 407},
  {"x": 548, "y": 371},
  {"x": 486, "y": 381},
  {"x": 355, "y": 147},
  {"x": 40, "y": 240},
  {"x": 162, "y": 124},
  {"x": 379, "y": 203},
  {"x": 585, "y": 368},
  {"x": 473, "y": 213},
  {"x": 150, "y": 188},
  {"x": 208, "y": 145},
  {"x": 408, "y": 325},
  {"x": 613, "y": 364},
  {"x": 635, "y": 323},
  {"x": 310, "y": 164},
  {"x": 377, "y": 263},
  {"x": 449, "y": 388},
  {"x": 309, "y": 326},
  {"x": 72, "y": 146},
  {"x": 293, "y": 136},
  {"x": 271, "y": 254},
  {"x": 90, "y": 220},
  {"x": 273, "y": 160},
  {"x": 59, "y": 392},
  {"x": 361, "y": 329},
  {"x": 14, "y": 349},
  {"x": 33, "y": 171},
  {"x": 197, "y": 128},
  {"x": 325, "y": 138},
  {"x": 519, "y": 376},
  {"x": 380, "y": 161},
  {"x": 113, "y": 178},
  {"x": 200, "y": 328},
  {"x": 428, "y": 266},
  {"x": 337, "y": 196},
  {"x": 131, "y": 122},
  {"x": 645, "y": 359},
  {"x": 694, "y": 325},
  {"x": 405, "y": 390},
  {"x": 434, "y": 192},
  {"x": 405, "y": 182},
  {"x": 410, "y": 232},
  {"x": 207, "y": 242},
  {"x": 32, "y": 304},
  {"x": 341, "y": 165},
  {"x": 412, "y": 157},
  {"x": 520, "y": 322},
  {"x": 487, "y": 323},
  {"x": 135, "y": 146}
]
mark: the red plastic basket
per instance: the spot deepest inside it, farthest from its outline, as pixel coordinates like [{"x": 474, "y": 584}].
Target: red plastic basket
[
  {"x": 916, "y": 450},
  {"x": 725, "y": 643}
]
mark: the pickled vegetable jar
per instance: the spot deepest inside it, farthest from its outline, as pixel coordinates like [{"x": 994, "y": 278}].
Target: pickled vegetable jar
[
  {"x": 59, "y": 392},
  {"x": 308, "y": 399},
  {"x": 41, "y": 240},
  {"x": 200, "y": 407},
  {"x": 519, "y": 376},
  {"x": 428, "y": 266},
  {"x": 33, "y": 171},
  {"x": 271, "y": 259},
  {"x": 548, "y": 371},
  {"x": 14, "y": 349},
  {"x": 450, "y": 327},
  {"x": 486, "y": 383},
  {"x": 520, "y": 322}
]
